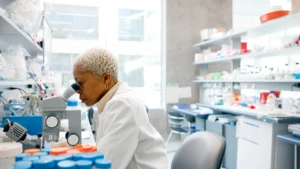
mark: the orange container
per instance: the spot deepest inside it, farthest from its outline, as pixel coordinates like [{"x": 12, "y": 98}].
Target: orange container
[
  {"x": 86, "y": 148},
  {"x": 94, "y": 149},
  {"x": 59, "y": 151},
  {"x": 72, "y": 151},
  {"x": 32, "y": 151},
  {"x": 273, "y": 15}
]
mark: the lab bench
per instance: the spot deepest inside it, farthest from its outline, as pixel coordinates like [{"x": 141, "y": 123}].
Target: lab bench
[{"x": 253, "y": 142}]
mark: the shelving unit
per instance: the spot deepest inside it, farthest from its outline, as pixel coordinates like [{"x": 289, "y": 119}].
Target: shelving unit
[
  {"x": 10, "y": 34},
  {"x": 276, "y": 25},
  {"x": 234, "y": 39},
  {"x": 247, "y": 81},
  {"x": 20, "y": 83},
  {"x": 281, "y": 52}
]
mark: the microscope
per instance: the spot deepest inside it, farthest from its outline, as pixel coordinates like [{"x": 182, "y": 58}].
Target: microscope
[{"x": 53, "y": 110}]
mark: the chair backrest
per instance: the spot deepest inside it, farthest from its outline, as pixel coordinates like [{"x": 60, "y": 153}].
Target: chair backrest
[{"x": 201, "y": 150}]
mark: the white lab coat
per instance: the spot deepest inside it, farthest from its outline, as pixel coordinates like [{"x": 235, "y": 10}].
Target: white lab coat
[{"x": 125, "y": 135}]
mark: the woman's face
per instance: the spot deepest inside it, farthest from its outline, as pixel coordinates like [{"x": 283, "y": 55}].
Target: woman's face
[{"x": 91, "y": 88}]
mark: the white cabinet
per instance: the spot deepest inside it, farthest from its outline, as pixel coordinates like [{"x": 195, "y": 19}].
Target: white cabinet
[{"x": 258, "y": 147}]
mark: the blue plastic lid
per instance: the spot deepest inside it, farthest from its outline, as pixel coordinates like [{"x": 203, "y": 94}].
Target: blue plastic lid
[
  {"x": 103, "y": 163},
  {"x": 193, "y": 127},
  {"x": 47, "y": 156},
  {"x": 23, "y": 165},
  {"x": 67, "y": 164},
  {"x": 90, "y": 156},
  {"x": 67, "y": 156},
  {"x": 21, "y": 156},
  {"x": 47, "y": 150},
  {"x": 60, "y": 158},
  {"x": 31, "y": 158},
  {"x": 99, "y": 155},
  {"x": 44, "y": 163},
  {"x": 84, "y": 164},
  {"x": 40, "y": 154},
  {"x": 72, "y": 103},
  {"x": 77, "y": 156}
]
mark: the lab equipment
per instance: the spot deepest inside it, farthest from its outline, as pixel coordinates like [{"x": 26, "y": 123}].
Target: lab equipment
[
  {"x": 53, "y": 110},
  {"x": 67, "y": 164},
  {"x": 18, "y": 133}
]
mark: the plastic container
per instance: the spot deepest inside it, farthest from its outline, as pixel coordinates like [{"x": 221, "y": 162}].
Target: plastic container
[
  {"x": 103, "y": 164},
  {"x": 22, "y": 165},
  {"x": 47, "y": 150},
  {"x": 44, "y": 163},
  {"x": 90, "y": 157},
  {"x": 84, "y": 164},
  {"x": 32, "y": 151},
  {"x": 39, "y": 154},
  {"x": 273, "y": 15},
  {"x": 67, "y": 164},
  {"x": 271, "y": 101},
  {"x": 72, "y": 152},
  {"x": 77, "y": 156},
  {"x": 59, "y": 151},
  {"x": 8, "y": 152},
  {"x": 31, "y": 158},
  {"x": 60, "y": 158},
  {"x": 21, "y": 156}
]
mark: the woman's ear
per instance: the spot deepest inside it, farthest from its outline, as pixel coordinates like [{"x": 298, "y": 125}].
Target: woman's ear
[{"x": 107, "y": 78}]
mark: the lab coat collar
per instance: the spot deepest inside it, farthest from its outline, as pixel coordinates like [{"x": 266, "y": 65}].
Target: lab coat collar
[{"x": 101, "y": 104}]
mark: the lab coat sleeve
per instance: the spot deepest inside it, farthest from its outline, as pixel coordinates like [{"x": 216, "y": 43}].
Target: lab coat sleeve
[{"x": 120, "y": 134}]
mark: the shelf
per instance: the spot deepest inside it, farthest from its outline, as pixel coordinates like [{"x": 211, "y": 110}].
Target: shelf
[
  {"x": 10, "y": 34},
  {"x": 279, "y": 52},
  {"x": 279, "y": 24},
  {"x": 20, "y": 83},
  {"x": 248, "y": 81}
]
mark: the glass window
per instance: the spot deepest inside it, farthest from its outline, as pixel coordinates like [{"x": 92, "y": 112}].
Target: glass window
[
  {"x": 132, "y": 31},
  {"x": 72, "y": 22},
  {"x": 131, "y": 25}
]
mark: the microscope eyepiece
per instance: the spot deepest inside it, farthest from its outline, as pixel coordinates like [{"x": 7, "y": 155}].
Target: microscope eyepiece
[{"x": 75, "y": 86}]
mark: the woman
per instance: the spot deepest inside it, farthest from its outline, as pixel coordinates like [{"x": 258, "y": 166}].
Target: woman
[{"x": 124, "y": 133}]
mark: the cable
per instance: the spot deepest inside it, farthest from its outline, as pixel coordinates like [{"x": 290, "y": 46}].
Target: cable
[{"x": 17, "y": 88}]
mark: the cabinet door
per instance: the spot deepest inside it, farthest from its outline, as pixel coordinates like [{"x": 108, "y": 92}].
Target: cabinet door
[{"x": 254, "y": 144}]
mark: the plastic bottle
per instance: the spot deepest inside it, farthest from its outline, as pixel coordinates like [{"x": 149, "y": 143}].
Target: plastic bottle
[
  {"x": 44, "y": 163},
  {"x": 23, "y": 165},
  {"x": 67, "y": 164},
  {"x": 84, "y": 164},
  {"x": 102, "y": 164},
  {"x": 271, "y": 101}
]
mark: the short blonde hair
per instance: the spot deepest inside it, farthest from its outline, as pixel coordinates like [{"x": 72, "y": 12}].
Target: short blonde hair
[{"x": 98, "y": 61}]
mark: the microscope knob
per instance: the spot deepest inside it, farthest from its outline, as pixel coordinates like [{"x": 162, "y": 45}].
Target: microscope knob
[
  {"x": 51, "y": 121},
  {"x": 73, "y": 139}
]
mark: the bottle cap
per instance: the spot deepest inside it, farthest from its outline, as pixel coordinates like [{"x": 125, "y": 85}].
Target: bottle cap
[
  {"x": 31, "y": 158},
  {"x": 67, "y": 164},
  {"x": 103, "y": 163},
  {"x": 84, "y": 164},
  {"x": 23, "y": 165},
  {"x": 59, "y": 151},
  {"x": 21, "y": 156},
  {"x": 77, "y": 156},
  {"x": 43, "y": 163},
  {"x": 32, "y": 151},
  {"x": 40, "y": 154}
]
